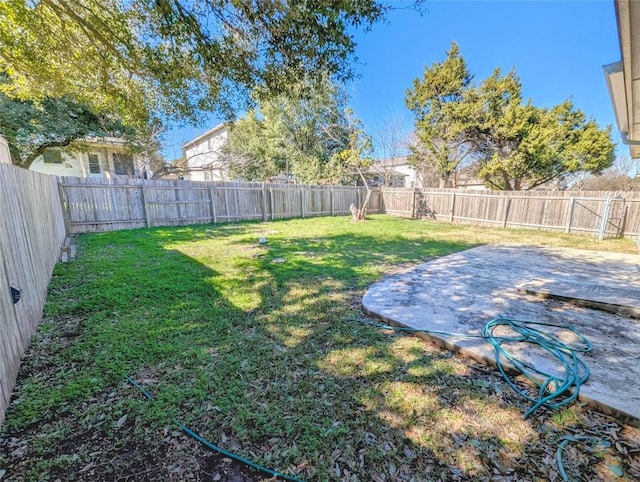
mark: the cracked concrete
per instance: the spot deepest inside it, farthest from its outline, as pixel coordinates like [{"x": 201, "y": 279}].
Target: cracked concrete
[{"x": 461, "y": 292}]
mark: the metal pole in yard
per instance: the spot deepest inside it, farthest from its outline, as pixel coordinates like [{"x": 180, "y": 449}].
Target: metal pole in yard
[
  {"x": 505, "y": 214},
  {"x": 605, "y": 218},
  {"x": 572, "y": 201}
]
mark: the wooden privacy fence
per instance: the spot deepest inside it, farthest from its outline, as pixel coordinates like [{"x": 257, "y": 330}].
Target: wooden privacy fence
[
  {"x": 604, "y": 214},
  {"x": 106, "y": 205},
  {"x": 31, "y": 234}
]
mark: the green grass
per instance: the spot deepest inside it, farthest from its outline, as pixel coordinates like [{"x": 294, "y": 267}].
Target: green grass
[{"x": 261, "y": 358}]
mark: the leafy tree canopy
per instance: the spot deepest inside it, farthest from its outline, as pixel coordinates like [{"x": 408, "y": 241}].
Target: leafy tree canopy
[
  {"x": 174, "y": 58},
  {"x": 32, "y": 127},
  {"x": 514, "y": 144},
  {"x": 303, "y": 132},
  {"x": 440, "y": 134}
]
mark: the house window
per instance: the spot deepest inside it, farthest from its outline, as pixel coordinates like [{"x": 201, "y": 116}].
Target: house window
[
  {"x": 52, "y": 157},
  {"x": 123, "y": 164},
  {"x": 94, "y": 164}
]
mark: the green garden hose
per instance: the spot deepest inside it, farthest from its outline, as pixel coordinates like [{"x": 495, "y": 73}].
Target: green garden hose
[
  {"x": 553, "y": 391},
  {"x": 574, "y": 438},
  {"x": 209, "y": 445}
]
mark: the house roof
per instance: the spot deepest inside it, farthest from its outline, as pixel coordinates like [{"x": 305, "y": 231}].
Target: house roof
[
  {"x": 393, "y": 162},
  {"x": 203, "y": 137},
  {"x": 385, "y": 170},
  {"x": 103, "y": 141},
  {"x": 623, "y": 78}
]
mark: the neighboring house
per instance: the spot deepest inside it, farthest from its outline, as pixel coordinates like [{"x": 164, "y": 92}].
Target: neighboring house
[
  {"x": 202, "y": 155},
  {"x": 378, "y": 175},
  {"x": 393, "y": 173},
  {"x": 467, "y": 181},
  {"x": 98, "y": 157}
]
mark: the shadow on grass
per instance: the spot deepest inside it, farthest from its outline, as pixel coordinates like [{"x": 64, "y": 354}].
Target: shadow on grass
[{"x": 256, "y": 355}]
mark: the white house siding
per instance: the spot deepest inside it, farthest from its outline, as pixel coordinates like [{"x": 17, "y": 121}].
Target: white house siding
[
  {"x": 203, "y": 156},
  {"x": 78, "y": 163},
  {"x": 71, "y": 165},
  {"x": 411, "y": 180}
]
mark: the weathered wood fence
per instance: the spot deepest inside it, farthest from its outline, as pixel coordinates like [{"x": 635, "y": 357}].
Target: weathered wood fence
[
  {"x": 604, "y": 214},
  {"x": 31, "y": 234},
  {"x": 102, "y": 205},
  {"x": 36, "y": 210},
  {"x": 106, "y": 205}
]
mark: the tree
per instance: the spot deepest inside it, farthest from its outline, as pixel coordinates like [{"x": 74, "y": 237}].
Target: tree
[
  {"x": 515, "y": 144},
  {"x": 148, "y": 144},
  {"x": 172, "y": 59},
  {"x": 355, "y": 156},
  {"x": 297, "y": 133},
  {"x": 32, "y": 127},
  {"x": 437, "y": 99},
  {"x": 391, "y": 145},
  {"x": 247, "y": 152},
  {"x": 621, "y": 176},
  {"x": 520, "y": 146}
]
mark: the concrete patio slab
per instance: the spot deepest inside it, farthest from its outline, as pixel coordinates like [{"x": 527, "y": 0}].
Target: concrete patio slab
[{"x": 461, "y": 292}]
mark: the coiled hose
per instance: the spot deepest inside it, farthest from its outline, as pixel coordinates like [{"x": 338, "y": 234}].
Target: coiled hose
[{"x": 554, "y": 391}]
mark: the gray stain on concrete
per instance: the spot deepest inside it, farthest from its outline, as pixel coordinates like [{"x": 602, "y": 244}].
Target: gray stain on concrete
[{"x": 461, "y": 292}]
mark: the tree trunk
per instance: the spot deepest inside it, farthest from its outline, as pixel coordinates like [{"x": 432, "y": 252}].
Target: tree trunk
[{"x": 360, "y": 213}]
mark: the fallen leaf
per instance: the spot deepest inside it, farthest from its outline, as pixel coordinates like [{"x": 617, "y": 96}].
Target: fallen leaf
[
  {"x": 121, "y": 421},
  {"x": 87, "y": 467}
]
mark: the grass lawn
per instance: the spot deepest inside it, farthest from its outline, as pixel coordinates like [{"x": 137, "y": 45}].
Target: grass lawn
[{"x": 260, "y": 358}]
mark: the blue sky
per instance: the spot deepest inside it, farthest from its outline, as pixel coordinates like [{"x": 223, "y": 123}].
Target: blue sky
[{"x": 557, "y": 48}]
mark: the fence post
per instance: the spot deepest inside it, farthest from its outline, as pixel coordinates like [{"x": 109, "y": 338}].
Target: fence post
[
  {"x": 505, "y": 214},
  {"x": 213, "y": 204},
  {"x": 414, "y": 214},
  {"x": 145, "y": 207},
  {"x": 605, "y": 218},
  {"x": 273, "y": 211},
  {"x": 358, "y": 197},
  {"x": 264, "y": 201},
  {"x": 570, "y": 214},
  {"x": 332, "y": 203},
  {"x": 176, "y": 193},
  {"x": 64, "y": 204},
  {"x": 453, "y": 206},
  {"x": 302, "y": 200},
  {"x": 226, "y": 204}
]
